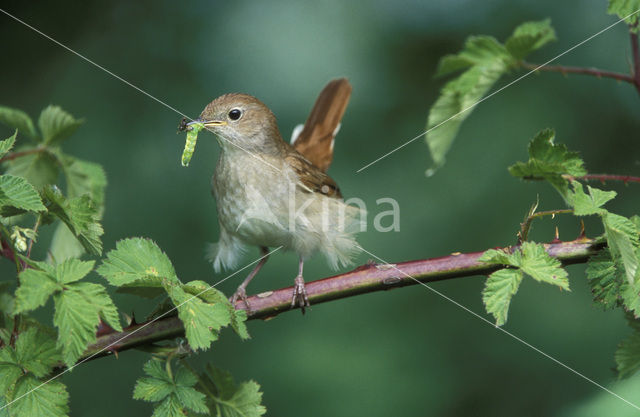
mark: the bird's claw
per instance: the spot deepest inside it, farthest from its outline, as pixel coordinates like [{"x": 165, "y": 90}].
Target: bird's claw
[
  {"x": 241, "y": 294},
  {"x": 300, "y": 294}
]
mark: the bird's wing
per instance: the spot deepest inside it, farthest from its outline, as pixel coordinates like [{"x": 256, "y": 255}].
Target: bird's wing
[
  {"x": 315, "y": 141},
  {"x": 311, "y": 178}
]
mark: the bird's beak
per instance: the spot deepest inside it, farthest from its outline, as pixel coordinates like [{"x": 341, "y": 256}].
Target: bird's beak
[{"x": 208, "y": 123}]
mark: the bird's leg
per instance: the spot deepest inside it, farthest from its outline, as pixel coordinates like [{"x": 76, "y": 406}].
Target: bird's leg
[
  {"x": 299, "y": 291},
  {"x": 241, "y": 292}
]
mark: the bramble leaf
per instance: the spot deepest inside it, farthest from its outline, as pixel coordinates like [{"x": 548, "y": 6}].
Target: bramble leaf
[
  {"x": 56, "y": 125},
  {"x": 37, "y": 399},
  {"x": 17, "y": 119},
  {"x": 624, "y": 8},
  {"x": 7, "y": 144},
  {"x": 137, "y": 261},
  {"x": 80, "y": 215},
  {"x": 549, "y": 161},
  {"x": 176, "y": 393},
  {"x": 35, "y": 289},
  {"x": 500, "y": 287},
  {"x": 624, "y": 242},
  {"x": 539, "y": 265},
  {"x": 585, "y": 205},
  {"x": 529, "y": 37},
  {"x": 603, "y": 279},
  {"x": 40, "y": 169},
  {"x": 17, "y": 192},
  {"x": 226, "y": 399},
  {"x": 36, "y": 351}
]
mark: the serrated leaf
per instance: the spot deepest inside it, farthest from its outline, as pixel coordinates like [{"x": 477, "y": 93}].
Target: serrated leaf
[
  {"x": 539, "y": 265},
  {"x": 35, "y": 289},
  {"x": 623, "y": 240},
  {"x": 500, "y": 287},
  {"x": 84, "y": 177},
  {"x": 495, "y": 256},
  {"x": 627, "y": 355},
  {"x": 201, "y": 320},
  {"x": 36, "y": 351},
  {"x": 103, "y": 304},
  {"x": 529, "y": 37},
  {"x": 77, "y": 319},
  {"x": 7, "y": 144},
  {"x": 176, "y": 394},
  {"x": 10, "y": 370},
  {"x": 227, "y": 399},
  {"x": 585, "y": 205},
  {"x": 17, "y": 119},
  {"x": 40, "y": 169},
  {"x": 80, "y": 215},
  {"x": 212, "y": 295},
  {"x": 56, "y": 125},
  {"x": 603, "y": 279},
  {"x": 36, "y": 399},
  {"x": 72, "y": 270},
  {"x": 17, "y": 192},
  {"x": 549, "y": 161},
  {"x": 134, "y": 260},
  {"x": 630, "y": 295},
  {"x": 625, "y": 8}
]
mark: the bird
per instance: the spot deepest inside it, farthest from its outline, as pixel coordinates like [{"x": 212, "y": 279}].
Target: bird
[{"x": 274, "y": 194}]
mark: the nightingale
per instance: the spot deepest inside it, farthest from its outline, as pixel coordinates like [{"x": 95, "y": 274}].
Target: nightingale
[{"x": 270, "y": 193}]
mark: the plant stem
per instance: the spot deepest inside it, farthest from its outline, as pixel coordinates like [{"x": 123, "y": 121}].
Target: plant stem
[
  {"x": 364, "y": 279},
  {"x": 15, "y": 155},
  {"x": 526, "y": 225},
  {"x": 604, "y": 177},
  {"x": 580, "y": 70}
]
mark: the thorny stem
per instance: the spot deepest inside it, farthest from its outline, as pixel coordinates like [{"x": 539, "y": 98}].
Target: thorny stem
[
  {"x": 35, "y": 230},
  {"x": 526, "y": 225},
  {"x": 604, "y": 177},
  {"x": 563, "y": 69},
  {"x": 368, "y": 278}
]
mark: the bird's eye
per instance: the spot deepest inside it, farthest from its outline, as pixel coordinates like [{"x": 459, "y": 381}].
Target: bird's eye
[{"x": 234, "y": 114}]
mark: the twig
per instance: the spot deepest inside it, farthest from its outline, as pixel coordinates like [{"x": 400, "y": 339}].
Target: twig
[
  {"x": 526, "y": 225},
  {"x": 364, "y": 279},
  {"x": 604, "y": 177},
  {"x": 580, "y": 70},
  {"x": 20, "y": 154}
]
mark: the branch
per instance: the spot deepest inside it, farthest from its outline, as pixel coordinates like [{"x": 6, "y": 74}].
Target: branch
[
  {"x": 604, "y": 177},
  {"x": 15, "y": 155},
  {"x": 580, "y": 70},
  {"x": 364, "y": 279}
]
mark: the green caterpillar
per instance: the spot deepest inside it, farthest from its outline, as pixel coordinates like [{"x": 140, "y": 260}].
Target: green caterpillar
[{"x": 190, "y": 144}]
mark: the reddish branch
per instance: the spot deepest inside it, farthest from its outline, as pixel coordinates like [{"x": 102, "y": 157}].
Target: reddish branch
[
  {"x": 364, "y": 279},
  {"x": 563, "y": 69},
  {"x": 15, "y": 155},
  {"x": 608, "y": 177}
]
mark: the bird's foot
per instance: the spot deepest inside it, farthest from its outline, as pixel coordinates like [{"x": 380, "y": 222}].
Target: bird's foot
[
  {"x": 240, "y": 293},
  {"x": 300, "y": 294}
]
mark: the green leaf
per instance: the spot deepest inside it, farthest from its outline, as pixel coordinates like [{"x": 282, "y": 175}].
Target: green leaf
[
  {"x": 455, "y": 104},
  {"x": 529, "y": 37},
  {"x": 17, "y": 192},
  {"x": 603, "y": 279},
  {"x": 36, "y": 399},
  {"x": 137, "y": 261},
  {"x": 80, "y": 215},
  {"x": 40, "y": 169},
  {"x": 227, "y": 399},
  {"x": 624, "y": 8},
  {"x": 585, "y": 205},
  {"x": 103, "y": 304},
  {"x": 537, "y": 263},
  {"x": 201, "y": 320},
  {"x": 176, "y": 393},
  {"x": 630, "y": 295},
  {"x": 550, "y": 162},
  {"x": 10, "y": 369},
  {"x": 85, "y": 177},
  {"x": 35, "y": 289},
  {"x": 627, "y": 355},
  {"x": 7, "y": 144},
  {"x": 57, "y": 125},
  {"x": 17, "y": 119},
  {"x": 623, "y": 240},
  {"x": 211, "y": 295},
  {"x": 500, "y": 287},
  {"x": 72, "y": 270},
  {"x": 64, "y": 244},
  {"x": 36, "y": 351}
]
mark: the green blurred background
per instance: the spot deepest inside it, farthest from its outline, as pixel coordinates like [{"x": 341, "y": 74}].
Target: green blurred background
[{"x": 406, "y": 352}]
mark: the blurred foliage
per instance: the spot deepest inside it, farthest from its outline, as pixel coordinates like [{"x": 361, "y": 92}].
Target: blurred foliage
[{"x": 365, "y": 355}]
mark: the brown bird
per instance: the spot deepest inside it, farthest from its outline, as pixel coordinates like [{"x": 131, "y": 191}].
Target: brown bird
[{"x": 273, "y": 194}]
